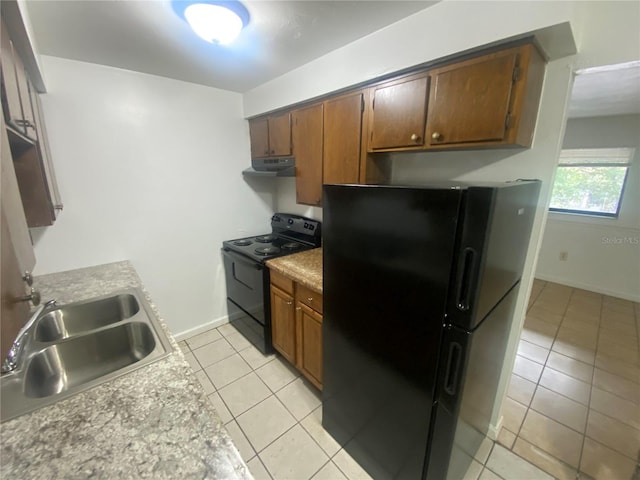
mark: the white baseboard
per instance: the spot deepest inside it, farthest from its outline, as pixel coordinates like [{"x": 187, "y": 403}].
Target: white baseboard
[
  {"x": 494, "y": 430},
  {"x": 201, "y": 328},
  {"x": 591, "y": 288}
]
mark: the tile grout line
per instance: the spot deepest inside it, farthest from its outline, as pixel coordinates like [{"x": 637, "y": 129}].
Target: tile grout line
[
  {"x": 272, "y": 394},
  {"x": 584, "y": 434},
  {"x": 593, "y": 376},
  {"x": 536, "y": 389},
  {"x": 528, "y": 407},
  {"x": 612, "y": 393}
]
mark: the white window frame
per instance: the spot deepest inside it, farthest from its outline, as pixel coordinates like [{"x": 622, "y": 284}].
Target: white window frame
[{"x": 586, "y": 157}]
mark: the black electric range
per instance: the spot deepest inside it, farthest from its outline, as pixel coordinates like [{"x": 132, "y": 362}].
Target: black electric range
[{"x": 247, "y": 277}]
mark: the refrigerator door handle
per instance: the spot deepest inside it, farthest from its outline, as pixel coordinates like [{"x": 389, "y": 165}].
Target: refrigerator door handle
[
  {"x": 463, "y": 290},
  {"x": 453, "y": 368}
]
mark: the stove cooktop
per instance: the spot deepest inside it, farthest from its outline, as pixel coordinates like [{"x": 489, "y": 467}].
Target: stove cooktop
[
  {"x": 264, "y": 247},
  {"x": 291, "y": 234}
]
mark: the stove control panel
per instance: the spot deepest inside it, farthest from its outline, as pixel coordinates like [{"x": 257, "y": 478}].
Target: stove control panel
[{"x": 301, "y": 226}]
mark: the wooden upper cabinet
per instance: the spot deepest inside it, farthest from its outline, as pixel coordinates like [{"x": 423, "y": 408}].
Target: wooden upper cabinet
[
  {"x": 16, "y": 99},
  {"x": 28, "y": 144},
  {"x": 54, "y": 201},
  {"x": 343, "y": 138},
  {"x": 399, "y": 112},
  {"x": 259, "y": 136},
  {"x": 280, "y": 135},
  {"x": 27, "y": 122},
  {"x": 486, "y": 101},
  {"x": 270, "y": 136},
  {"x": 307, "y": 135}
]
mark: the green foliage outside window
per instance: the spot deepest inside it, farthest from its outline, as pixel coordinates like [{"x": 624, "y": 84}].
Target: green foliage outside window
[{"x": 591, "y": 181}]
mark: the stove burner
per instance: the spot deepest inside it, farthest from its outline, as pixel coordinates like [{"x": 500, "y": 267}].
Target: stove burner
[
  {"x": 267, "y": 250},
  {"x": 265, "y": 238},
  {"x": 291, "y": 246},
  {"x": 242, "y": 243}
]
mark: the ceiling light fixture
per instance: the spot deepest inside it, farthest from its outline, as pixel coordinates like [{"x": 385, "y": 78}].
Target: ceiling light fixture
[{"x": 214, "y": 21}]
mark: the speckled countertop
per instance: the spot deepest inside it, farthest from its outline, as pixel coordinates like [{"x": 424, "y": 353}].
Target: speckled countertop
[
  {"x": 304, "y": 267},
  {"x": 154, "y": 422}
]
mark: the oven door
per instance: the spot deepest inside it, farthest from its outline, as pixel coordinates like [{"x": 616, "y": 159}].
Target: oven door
[{"x": 248, "y": 298}]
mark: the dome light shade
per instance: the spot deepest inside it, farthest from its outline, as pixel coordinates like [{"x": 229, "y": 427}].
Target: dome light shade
[{"x": 214, "y": 21}]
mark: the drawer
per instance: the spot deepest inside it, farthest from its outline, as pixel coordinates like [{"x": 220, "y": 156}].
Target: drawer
[
  {"x": 283, "y": 283},
  {"x": 309, "y": 297}
]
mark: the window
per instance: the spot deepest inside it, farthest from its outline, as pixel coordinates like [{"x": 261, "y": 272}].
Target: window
[{"x": 591, "y": 181}]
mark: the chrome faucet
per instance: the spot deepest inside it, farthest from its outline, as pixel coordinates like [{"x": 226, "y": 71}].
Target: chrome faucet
[{"x": 11, "y": 361}]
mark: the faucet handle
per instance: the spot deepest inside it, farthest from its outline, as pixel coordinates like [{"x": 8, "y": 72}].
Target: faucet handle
[{"x": 33, "y": 297}]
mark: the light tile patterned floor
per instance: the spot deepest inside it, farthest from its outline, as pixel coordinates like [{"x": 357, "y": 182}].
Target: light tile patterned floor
[
  {"x": 572, "y": 410},
  {"x": 573, "y": 405}
]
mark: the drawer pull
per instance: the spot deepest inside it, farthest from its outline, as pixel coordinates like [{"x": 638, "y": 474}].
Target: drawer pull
[{"x": 309, "y": 299}]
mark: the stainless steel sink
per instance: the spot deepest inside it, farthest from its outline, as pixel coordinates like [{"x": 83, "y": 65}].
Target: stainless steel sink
[
  {"x": 78, "y": 346},
  {"x": 67, "y": 321}
]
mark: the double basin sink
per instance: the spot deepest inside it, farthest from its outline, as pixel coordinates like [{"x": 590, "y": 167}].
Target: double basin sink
[{"x": 73, "y": 347}]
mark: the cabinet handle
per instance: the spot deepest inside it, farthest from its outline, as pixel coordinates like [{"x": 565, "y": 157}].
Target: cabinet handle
[
  {"x": 436, "y": 135},
  {"x": 273, "y": 152},
  {"x": 309, "y": 299},
  {"x": 298, "y": 308},
  {"x": 27, "y": 277},
  {"x": 25, "y": 123},
  {"x": 289, "y": 303},
  {"x": 266, "y": 152},
  {"x": 414, "y": 138}
]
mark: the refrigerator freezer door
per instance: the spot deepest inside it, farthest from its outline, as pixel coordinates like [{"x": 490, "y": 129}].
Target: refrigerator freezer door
[
  {"x": 387, "y": 262},
  {"x": 467, "y": 383},
  {"x": 495, "y": 231}
]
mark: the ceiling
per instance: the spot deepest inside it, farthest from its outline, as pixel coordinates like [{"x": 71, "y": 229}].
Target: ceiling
[
  {"x": 608, "y": 90},
  {"x": 147, "y": 36}
]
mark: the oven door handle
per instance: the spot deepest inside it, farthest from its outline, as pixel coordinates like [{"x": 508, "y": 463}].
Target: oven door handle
[{"x": 241, "y": 259}]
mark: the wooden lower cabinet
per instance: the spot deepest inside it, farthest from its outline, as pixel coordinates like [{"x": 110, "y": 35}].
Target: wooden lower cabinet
[
  {"x": 283, "y": 328},
  {"x": 296, "y": 324},
  {"x": 309, "y": 338}
]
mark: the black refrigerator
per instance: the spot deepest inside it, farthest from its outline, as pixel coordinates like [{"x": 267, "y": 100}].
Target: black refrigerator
[{"x": 419, "y": 289}]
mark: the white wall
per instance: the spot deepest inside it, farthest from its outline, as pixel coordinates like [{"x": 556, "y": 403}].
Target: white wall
[
  {"x": 149, "y": 170},
  {"x": 286, "y": 200},
  {"x": 447, "y": 28},
  {"x": 456, "y": 26},
  {"x": 604, "y": 253}
]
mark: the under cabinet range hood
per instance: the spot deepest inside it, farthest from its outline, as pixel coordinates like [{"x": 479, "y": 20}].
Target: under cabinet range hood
[{"x": 271, "y": 167}]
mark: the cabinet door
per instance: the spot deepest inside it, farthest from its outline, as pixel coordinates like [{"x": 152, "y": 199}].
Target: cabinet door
[
  {"x": 309, "y": 326},
  {"x": 283, "y": 328},
  {"x": 399, "y": 113},
  {"x": 470, "y": 101},
  {"x": 45, "y": 155},
  {"x": 27, "y": 120},
  {"x": 342, "y": 138},
  {"x": 307, "y": 148},
  {"x": 259, "y": 137},
  {"x": 11, "y": 105},
  {"x": 280, "y": 135},
  {"x": 34, "y": 189}
]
